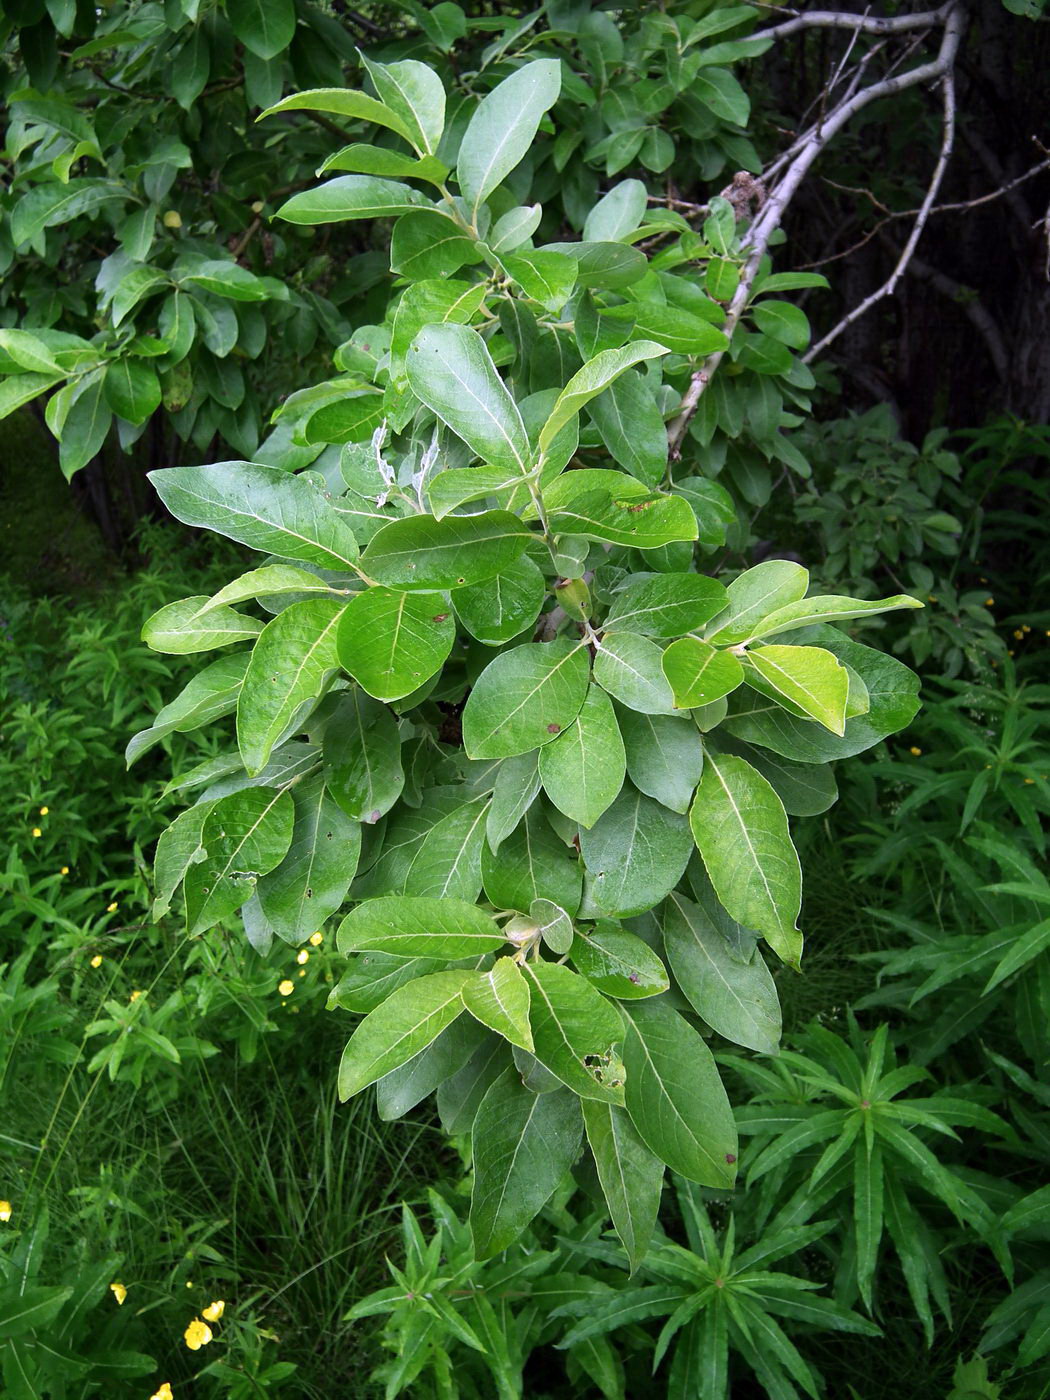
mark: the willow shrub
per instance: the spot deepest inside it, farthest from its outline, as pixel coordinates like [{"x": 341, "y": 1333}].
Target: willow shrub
[{"x": 497, "y": 716}]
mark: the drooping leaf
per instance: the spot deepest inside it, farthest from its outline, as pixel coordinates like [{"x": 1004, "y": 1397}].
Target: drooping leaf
[
  {"x": 516, "y": 788},
  {"x": 597, "y": 504},
  {"x": 583, "y": 768},
  {"x": 666, "y": 605},
  {"x": 447, "y": 864},
  {"x": 720, "y": 969},
  {"x": 665, "y": 756},
  {"x": 756, "y": 594},
  {"x": 635, "y": 854},
  {"x": 211, "y": 694},
  {"x": 699, "y": 673},
  {"x": 244, "y": 837},
  {"x": 399, "y": 1028},
  {"x": 499, "y": 999},
  {"x": 181, "y": 628},
  {"x": 179, "y": 846},
  {"x": 618, "y": 962},
  {"x": 741, "y": 831},
  {"x": 291, "y": 665},
  {"x": 532, "y": 863},
  {"x": 352, "y": 197},
  {"x": 675, "y": 1097},
  {"x": 415, "y": 93},
  {"x": 362, "y": 758},
  {"x": 631, "y": 1175},
  {"x": 523, "y": 1145},
  {"x": 311, "y": 881},
  {"x": 628, "y": 666},
  {"x": 829, "y": 608},
  {"x": 502, "y": 608},
  {"x": 587, "y": 383},
  {"x": 632, "y": 427},
  {"x": 808, "y": 677}
]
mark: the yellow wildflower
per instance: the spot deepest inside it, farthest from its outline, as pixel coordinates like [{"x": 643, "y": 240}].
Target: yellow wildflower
[
  {"x": 189, "y": 1283},
  {"x": 213, "y": 1311},
  {"x": 163, "y": 1393},
  {"x": 286, "y": 988},
  {"x": 1029, "y": 780},
  {"x": 111, "y": 908},
  {"x": 64, "y": 870},
  {"x": 119, "y": 1292},
  {"x": 1018, "y": 634},
  {"x": 932, "y": 597},
  {"x": 44, "y": 811},
  {"x": 96, "y": 961},
  {"x": 5, "y": 1210},
  {"x": 915, "y": 752},
  {"x": 1025, "y": 627},
  {"x": 37, "y": 831},
  {"x": 318, "y": 938},
  {"x": 989, "y": 602},
  {"x": 302, "y": 957},
  {"x": 302, "y": 972},
  {"x": 135, "y": 995},
  {"x": 197, "y": 1334}
]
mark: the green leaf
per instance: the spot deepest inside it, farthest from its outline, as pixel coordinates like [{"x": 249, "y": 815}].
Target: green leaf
[
  {"x": 719, "y": 91},
  {"x": 699, "y": 673},
  {"x": 830, "y": 608},
  {"x": 808, "y": 677},
  {"x": 525, "y": 698},
  {"x": 378, "y": 160},
  {"x": 583, "y": 769},
  {"x": 544, "y": 276},
  {"x": 85, "y": 429},
  {"x": 262, "y": 507},
  {"x": 893, "y": 696},
  {"x": 430, "y": 304},
  {"x": 806, "y": 789},
  {"x": 574, "y": 1031},
  {"x": 362, "y": 758},
  {"x": 398, "y": 1092},
  {"x": 291, "y": 666},
  {"x": 245, "y": 836},
  {"x": 132, "y": 389},
  {"x": 503, "y": 128},
  {"x": 587, "y": 383},
  {"x": 608, "y": 266},
  {"x": 270, "y": 581},
  {"x": 265, "y": 27},
  {"x": 523, "y": 1145},
  {"x": 414, "y": 92},
  {"x": 503, "y": 607},
  {"x": 352, "y": 197},
  {"x": 635, "y": 854},
  {"x": 741, "y": 832},
  {"x": 618, "y": 963},
  {"x": 532, "y": 863},
  {"x": 720, "y": 970},
  {"x": 311, "y": 881},
  {"x": 517, "y": 787},
  {"x": 514, "y": 228},
  {"x": 598, "y": 504},
  {"x": 182, "y": 628},
  {"x": 675, "y": 1097},
  {"x": 399, "y": 1028},
  {"x": 447, "y": 864},
  {"x": 617, "y": 213},
  {"x": 499, "y": 999},
  {"x": 631, "y": 1176},
  {"x": 30, "y": 352},
  {"x": 451, "y": 371},
  {"x": 25, "y": 1309},
  {"x": 177, "y": 849},
  {"x": 19, "y": 389},
  {"x": 666, "y": 605},
  {"x": 353, "y": 418},
  {"x": 211, "y": 694},
  {"x": 753, "y": 596},
  {"x": 665, "y": 756},
  {"x": 673, "y": 329},
  {"x": 49, "y": 204},
  {"x": 783, "y": 321},
  {"x": 629, "y": 668},
  {"x": 414, "y": 927},
  {"x": 429, "y": 245},
  {"x": 632, "y": 427},
  {"x": 391, "y": 643},
  {"x": 553, "y": 923},
  {"x": 867, "y": 1213},
  {"x": 342, "y": 102},
  {"x": 422, "y": 554}
]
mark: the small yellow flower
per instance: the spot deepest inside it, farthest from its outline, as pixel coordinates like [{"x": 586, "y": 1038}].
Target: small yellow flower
[
  {"x": 164, "y": 1393},
  {"x": 64, "y": 870},
  {"x": 135, "y": 995},
  {"x": 1018, "y": 634},
  {"x": 96, "y": 961},
  {"x": 932, "y": 597},
  {"x": 37, "y": 831},
  {"x": 1010, "y": 651},
  {"x": 119, "y": 1292},
  {"x": 982, "y": 579},
  {"x": 1029, "y": 780},
  {"x": 286, "y": 988},
  {"x": 111, "y": 908},
  {"x": 1025, "y": 627},
  {"x": 318, "y": 938},
  {"x": 213, "y": 1311},
  {"x": 197, "y": 1334},
  {"x": 302, "y": 957},
  {"x": 302, "y": 972},
  {"x": 5, "y": 1210},
  {"x": 989, "y": 602},
  {"x": 189, "y": 1283},
  {"x": 915, "y": 752},
  {"x": 44, "y": 811}
]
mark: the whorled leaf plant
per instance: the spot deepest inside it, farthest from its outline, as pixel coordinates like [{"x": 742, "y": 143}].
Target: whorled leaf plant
[{"x": 496, "y": 712}]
